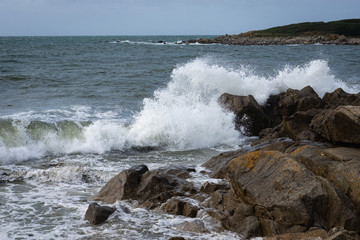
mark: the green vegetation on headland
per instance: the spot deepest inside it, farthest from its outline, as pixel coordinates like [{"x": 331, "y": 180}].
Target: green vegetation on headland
[
  {"x": 342, "y": 32},
  {"x": 348, "y": 28}
]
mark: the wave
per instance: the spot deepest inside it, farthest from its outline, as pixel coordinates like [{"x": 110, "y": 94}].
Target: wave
[
  {"x": 160, "y": 42},
  {"x": 182, "y": 116}
]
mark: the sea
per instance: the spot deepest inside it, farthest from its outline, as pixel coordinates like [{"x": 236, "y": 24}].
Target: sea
[{"x": 76, "y": 111}]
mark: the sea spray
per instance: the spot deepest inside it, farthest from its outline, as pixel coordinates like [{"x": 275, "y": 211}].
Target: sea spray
[{"x": 181, "y": 116}]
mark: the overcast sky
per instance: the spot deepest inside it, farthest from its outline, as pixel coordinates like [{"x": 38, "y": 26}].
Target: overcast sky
[{"x": 163, "y": 17}]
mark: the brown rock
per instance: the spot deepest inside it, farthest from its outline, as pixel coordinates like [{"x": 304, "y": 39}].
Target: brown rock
[
  {"x": 180, "y": 207},
  {"x": 341, "y": 234},
  {"x": 196, "y": 226},
  {"x": 159, "y": 185},
  {"x": 97, "y": 214},
  {"x": 289, "y": 102},
  {"x": 217, "y": 165},
  {"x": 340, "y": 125},
  {"x": 341, "y": 166},
  {"x": 122, "y": 186},
  {"x": 209, "y": 187},
  {"x": 340, "y": 97},
  {"x": 319, "y": 234},
  {"x": 149, "y": 188},
  {"x": 288, "y": 197}
]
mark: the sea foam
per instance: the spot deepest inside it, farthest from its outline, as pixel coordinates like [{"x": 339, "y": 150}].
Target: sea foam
[{"x": 184, "y": 115}]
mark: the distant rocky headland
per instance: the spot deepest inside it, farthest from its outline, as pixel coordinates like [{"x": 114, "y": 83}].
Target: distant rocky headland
[
  {"x": 343, "y": 32},
  {"x": 300, "y": 179}
]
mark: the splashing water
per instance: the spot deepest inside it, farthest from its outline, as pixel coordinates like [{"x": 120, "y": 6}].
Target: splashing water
[{"x": 183, "y": 115}]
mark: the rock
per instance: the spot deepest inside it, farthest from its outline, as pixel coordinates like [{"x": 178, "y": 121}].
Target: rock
[
  {"x": 122, "y": 186},
  {"x": 233, "y": 214},
  {"x": 176, "y": 238},
  {"x": 287, "y": 196},
  {"x": 289, "y": 102},
  {"x": 159, "y": 185},
  {"x": 217, "y": 165},
  {"x": 319, "y": 234},
  {"x": 340, "y": 97},
  {"x": 149, "y": 188},
  {"x": 340, "y": 125},
  {"x": 180, "y": 207},
  {"x": 196, "y": 226},
  {"x": 297, "y": 126},
  {"x": 341, "y": 166},
  {"x": 277, "y": 144},
  {"x": 341, "y": 234},
  {"x": 248, "y": 112},
  {"x": 209, "y": 188},
  {"x": 97, "y": 214}
]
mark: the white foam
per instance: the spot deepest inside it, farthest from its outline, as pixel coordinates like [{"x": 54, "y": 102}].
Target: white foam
[{"x": 183, "y": 115}]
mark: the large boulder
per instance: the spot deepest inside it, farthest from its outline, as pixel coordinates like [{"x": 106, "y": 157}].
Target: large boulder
[
  {"x": 287, "y": 197},
  {"x": 149, "y": 188},
  {"x": 122, "y": 186},
  {"x": 248, "y": 113},
  {"x": 340, "y": 125}
]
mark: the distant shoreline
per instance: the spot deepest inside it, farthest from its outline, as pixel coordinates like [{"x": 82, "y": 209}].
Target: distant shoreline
[
  {"x": 286, "y": 40},
  {"x": 343, "y": 32}
]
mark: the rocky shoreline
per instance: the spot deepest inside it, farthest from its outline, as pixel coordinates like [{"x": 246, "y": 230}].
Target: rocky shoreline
[
  {"x": 245, "y": 39},
  {"x": 299, "y": 180}
]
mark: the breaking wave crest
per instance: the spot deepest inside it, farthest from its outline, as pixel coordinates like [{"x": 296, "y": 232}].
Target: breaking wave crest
[{"x": 183, "y": 115}]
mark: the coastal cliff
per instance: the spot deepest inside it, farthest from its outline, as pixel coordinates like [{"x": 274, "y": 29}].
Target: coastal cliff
[
  {"x": 299, "y": 180},
  {"x": 343, "y": 32}
]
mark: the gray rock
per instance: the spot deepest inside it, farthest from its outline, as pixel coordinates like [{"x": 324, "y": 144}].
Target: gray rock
[{"x": 97, "y": 214}]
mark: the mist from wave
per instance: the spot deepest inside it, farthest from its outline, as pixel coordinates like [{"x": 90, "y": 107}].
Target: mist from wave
[{"x": 181, "y": 116}]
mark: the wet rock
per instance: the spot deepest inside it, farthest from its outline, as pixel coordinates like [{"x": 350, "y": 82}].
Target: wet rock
[
  {"x": 180, "y": 207},
  {"x": 340, "y": 125},
  {"x": 196, "y": 226},
  {"x": 176, "y": 238},
  {"x": 248, "y": 113},
  {"x": 122, "y": 186},
  {"x": 288, "y": 197},
  {"x": 289, "y": 102},
  {"x": 339, "y": 233},
  {"x": 209, "y": 187},
  {"x": 157, "y": 186},
  {"x": 97, "y": 214},
  {"x": 318, "y": 234},
  {"x": 149, "y": 188}
]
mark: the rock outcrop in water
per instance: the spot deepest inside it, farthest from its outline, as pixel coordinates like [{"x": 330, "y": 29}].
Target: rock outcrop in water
[{"x": 299, "y": 180}]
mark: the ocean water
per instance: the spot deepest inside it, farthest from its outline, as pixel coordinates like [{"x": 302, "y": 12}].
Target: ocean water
[{"x": 75, "y": 111}]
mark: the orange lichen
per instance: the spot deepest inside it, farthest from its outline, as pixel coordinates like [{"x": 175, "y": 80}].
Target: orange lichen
[
  {"x": 300, "y": 149},
  {"x": 249, "y": 160}
]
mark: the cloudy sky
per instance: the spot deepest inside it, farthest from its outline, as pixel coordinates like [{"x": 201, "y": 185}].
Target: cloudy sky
[{"x": 163, "y": 17}]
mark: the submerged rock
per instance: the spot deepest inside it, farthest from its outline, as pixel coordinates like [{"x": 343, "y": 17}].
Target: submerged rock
[{"x": 97, "y": 214}]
